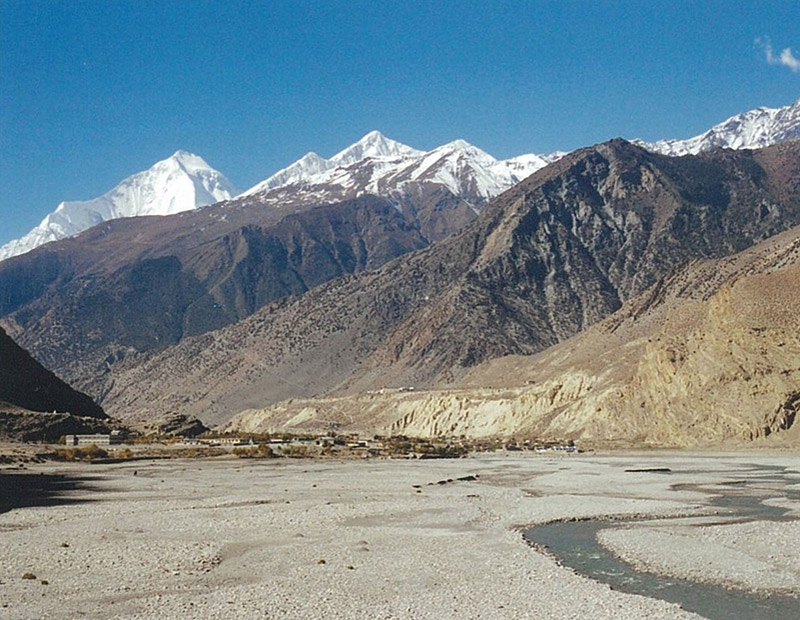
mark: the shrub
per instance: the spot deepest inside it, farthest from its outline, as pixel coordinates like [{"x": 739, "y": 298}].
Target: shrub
[
  {"x": 262, "y": 451},
  {"x": 93, "y": 452},
  {"x": 297, "y": 452},
  {"x": 81, "y": 454}
]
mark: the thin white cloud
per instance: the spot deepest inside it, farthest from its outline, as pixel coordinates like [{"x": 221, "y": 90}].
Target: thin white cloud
[{"x": 785, "y": 59}]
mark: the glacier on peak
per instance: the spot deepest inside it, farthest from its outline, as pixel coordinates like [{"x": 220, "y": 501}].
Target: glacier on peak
[
  {"x": 755, "y": 128},
  {"x": 178, "y": 183},
  {"x": 374, "y": 144},
  {"x": 379, "y": 165}
]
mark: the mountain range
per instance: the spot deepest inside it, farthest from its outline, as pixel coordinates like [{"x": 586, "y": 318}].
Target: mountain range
[
  {"x": 549, "y": 258},
  {"x": 374, "y": 165},
  {"x": 383, "y": 167},
  {"x": 749, "y": 130},
  {"x": 386, "y": 266}
]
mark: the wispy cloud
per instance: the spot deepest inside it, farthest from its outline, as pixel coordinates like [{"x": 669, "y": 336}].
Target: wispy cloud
[{"x": 786, "y": 58}]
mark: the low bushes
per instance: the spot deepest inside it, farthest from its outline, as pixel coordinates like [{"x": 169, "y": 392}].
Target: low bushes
[{"x": 86, "y": 453}]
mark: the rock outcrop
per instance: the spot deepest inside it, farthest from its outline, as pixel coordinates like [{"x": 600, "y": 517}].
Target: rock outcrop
[{"x": 35, "y": 405}]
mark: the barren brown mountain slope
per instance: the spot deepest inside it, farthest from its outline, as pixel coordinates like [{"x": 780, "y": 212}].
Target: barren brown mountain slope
[
  {"x": 82, "y": 304},
  {"x": 711, "y": 353},
  {"x": 548, "y": 258}
]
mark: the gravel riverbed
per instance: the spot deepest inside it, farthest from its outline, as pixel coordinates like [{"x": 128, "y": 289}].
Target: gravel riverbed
[{"x": 355, "y": 539}]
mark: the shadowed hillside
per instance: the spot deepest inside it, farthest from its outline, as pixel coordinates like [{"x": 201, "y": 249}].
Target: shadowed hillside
[{"x": 26, "y": 384}]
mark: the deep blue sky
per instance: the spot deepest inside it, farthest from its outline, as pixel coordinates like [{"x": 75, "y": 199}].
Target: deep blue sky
[{"x": 93, "y": 91}]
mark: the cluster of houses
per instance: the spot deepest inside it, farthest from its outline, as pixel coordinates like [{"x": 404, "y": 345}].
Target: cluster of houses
[
  {"x": 351, "y": 442},
  {"x": 383, "y": 390},
  {"x": 342, "y": 444},
  {"x": 540, "y": 447}
]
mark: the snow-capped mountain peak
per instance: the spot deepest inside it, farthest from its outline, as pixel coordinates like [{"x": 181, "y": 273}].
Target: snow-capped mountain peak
[
  {"x": 463, "y": 149},
  {"x": 752, "y": 129},
  {"x": 309, "y": 165},
  {"x": 457, "y": 145},
  {"x": 178, "y": 183},
  {"x": 308, "y": 168},
  {"x": 378, "y": 165},
  {"x": 188, "y": 161},
  {"x": 374, "y": 144}
]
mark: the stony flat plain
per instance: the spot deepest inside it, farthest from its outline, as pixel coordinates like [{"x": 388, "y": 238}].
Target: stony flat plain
[{"x": 370, "y": 539}]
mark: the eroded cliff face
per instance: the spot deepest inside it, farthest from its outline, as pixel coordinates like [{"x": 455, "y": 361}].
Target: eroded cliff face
[
  {"x": 472, "y": 412},
  {"x": 727, "y": 368}
]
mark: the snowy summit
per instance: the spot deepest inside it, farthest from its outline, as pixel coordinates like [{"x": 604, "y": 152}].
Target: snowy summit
[
  {"x": 181, "y": 182},
  {"x": 382, "y": 166},
  {"x": 750, "y": 130},
  {"x": 311, "y": 166}
]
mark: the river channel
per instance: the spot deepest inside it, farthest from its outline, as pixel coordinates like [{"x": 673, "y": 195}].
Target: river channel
[{"x": 575, "y": 544}]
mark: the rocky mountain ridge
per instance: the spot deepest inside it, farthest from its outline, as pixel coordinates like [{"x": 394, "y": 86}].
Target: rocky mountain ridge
[
  {"x": 144, "y": 283},
  {"x": 547, "y": 259}
]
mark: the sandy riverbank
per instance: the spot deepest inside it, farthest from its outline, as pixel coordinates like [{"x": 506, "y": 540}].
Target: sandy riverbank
[{"x": 244, "y": 539}]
